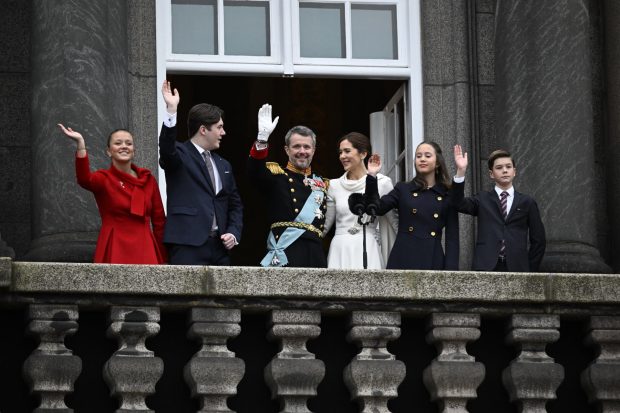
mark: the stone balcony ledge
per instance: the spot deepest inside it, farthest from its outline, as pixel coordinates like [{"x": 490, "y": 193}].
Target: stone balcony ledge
[{"x": 314, "y": 284}]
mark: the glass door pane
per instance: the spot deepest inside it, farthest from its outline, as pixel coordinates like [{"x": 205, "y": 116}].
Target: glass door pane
[
  {"x": 246, "y": 28},
  {"x": 321, "y": 28},
  {"x": 373, "y": 32},
  {"x": 194, "y": 26}
]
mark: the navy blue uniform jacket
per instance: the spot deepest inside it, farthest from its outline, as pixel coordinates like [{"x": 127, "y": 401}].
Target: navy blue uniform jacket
[
  {"x": 523, "y": 219},
  {"x": 191, "y": 200},
  {"x": 422, "y": 216}
]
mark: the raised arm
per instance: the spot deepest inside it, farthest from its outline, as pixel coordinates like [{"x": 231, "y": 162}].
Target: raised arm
[
  {"x": 374, "y": 165},
  {"x": 168, "y": 156},
  {"x": 77, "y": 137},
  {"x": 171, "y": 97},
  {"x": 460, "y": 161}
]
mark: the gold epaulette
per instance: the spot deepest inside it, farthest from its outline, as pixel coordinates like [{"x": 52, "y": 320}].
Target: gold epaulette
[
  {"x": 326, "y": 180},
  {"x": 274, "y": 168}
]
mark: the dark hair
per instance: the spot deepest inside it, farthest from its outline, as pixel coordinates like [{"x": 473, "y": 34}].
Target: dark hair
[
  {"x": 500, "y": 153},
  {"x": 115, "y": 131},
  {"x": 300, "y": 130},
  {"x": 202, "y": 114},
  {"x": 441, "y": 170},
  {"x": 360, "y": 142}
]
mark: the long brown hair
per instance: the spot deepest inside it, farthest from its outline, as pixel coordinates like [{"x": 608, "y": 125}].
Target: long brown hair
[{"x": 441, "y": 170}]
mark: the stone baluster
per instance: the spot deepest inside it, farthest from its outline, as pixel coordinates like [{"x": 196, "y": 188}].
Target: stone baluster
[
  {"x": 214, "y": 372},
  {"x": 600, "y": 379},
  {"x": 52, "y": 369},
  {"x": 533, "y": 378},
  {"x": 294, "y": 374},
  {"x": 453, "y": 376},
  {"x": 374, "y": 374},
  {"x": 133, "y": 370}
]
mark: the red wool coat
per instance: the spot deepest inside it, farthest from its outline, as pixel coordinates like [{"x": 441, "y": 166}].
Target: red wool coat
[{"x": 128, "y": 207}]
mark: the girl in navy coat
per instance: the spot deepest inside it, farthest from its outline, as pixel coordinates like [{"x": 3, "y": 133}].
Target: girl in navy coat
[{"x": 424, "y": 212}]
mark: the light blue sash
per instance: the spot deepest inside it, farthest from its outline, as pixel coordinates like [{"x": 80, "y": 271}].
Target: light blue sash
[{"x": 276, "y": 257}]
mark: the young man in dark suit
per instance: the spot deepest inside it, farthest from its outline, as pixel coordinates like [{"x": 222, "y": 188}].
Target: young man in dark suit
[
  {"x": 204, "y": 210},
  {"x": 506, "y": 218}
]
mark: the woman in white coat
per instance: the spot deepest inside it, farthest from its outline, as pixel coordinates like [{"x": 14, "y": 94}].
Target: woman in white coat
[{"x": 346, "y": 247}]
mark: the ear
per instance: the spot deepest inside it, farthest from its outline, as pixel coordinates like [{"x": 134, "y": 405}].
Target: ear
[
  {"x": 108, "y": 153},
  {"x": 490, "y": 174}
]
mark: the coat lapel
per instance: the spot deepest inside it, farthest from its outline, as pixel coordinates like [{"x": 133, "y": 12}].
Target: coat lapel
[
  {"x": 515, "y": 204},
  {"x": 495, "y": 199},
  {"x": 199, "y": 163}
]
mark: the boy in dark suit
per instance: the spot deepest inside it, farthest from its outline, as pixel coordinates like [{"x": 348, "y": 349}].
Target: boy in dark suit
[
  {"x": 204, "y": 207},
  {"x": 506, "y": 218}
]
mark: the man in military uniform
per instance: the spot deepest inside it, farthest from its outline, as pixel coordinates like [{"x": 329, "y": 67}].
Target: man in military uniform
[{"x": 295, "y": 197}]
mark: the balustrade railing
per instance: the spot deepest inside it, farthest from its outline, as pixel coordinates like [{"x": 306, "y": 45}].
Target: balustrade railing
[{"x": 238, "y": 339}]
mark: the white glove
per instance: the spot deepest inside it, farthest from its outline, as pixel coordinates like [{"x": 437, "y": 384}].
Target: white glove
[{"x": 265, "y": 124}]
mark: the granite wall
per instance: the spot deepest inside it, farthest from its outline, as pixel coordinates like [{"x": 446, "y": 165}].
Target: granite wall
[{"x": 15, "y": 131}]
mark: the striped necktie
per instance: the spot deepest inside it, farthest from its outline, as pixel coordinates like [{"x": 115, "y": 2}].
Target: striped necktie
[{"x": 504, "y": 204}]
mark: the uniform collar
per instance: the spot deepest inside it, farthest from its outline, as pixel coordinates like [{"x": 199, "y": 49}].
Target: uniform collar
[{"x": 292, "y": 168}]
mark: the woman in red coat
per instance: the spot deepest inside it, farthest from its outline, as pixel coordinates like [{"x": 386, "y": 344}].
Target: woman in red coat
[{"x": 128, "y": 200}]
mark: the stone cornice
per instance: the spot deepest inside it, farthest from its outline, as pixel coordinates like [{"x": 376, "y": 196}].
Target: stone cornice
[{"x": 310, "y": 284}]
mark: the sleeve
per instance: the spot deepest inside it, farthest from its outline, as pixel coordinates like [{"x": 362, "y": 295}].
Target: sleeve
[
  {"x": 388, "y": 224},
  {"x": 256, "y": 166},
  {"x": 538, "y": 241},
  {"x": 90, "y": 181},
  {"x": 330, "y": 214},
  {"x": 169, "y": 158},
  {"x": 235, "y": 212},
  {"x": 452, "y": 240},
  {"x": 158, "y": 220},
  {"x": 465, "y": 205},
  {"x": 386, "y": 202}
]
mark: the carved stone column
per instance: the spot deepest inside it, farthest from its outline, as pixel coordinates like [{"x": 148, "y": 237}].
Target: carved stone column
[
  {"x": 214, "y": 372},
  {"x": 374, "y": 374},
  {"x": 79, "y": 78},
  {"x": 52, "y": 369},
  {"x": 294, "y": 374},
  {"x": 533, "y": 378},
  {"x": 544, "y": 114},
  {"x": 453, "y": 376},
  {"x": 601, "y": 379},
  {"x": 133, "y": 370}
]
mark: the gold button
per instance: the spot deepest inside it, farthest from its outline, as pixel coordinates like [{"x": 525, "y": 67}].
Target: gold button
[
  {"x": 410, "y": 229},
  {"x": 294, "y": 199},
  {"x": 290, "y": 179},
  {"x": 435, "y": 215},
  {"x": 292, "y": 189},
  {"x": 322, "y": 226},
  {"x": 415, "y": 194},
  {"x": 414, "y": 211},
  {"x": 296, "y": 210},
  {"x": 433, "y": 233},
  {"x": 439, "y": 198}
]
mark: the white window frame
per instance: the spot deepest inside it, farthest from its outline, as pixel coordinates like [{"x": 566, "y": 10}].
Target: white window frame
[
  {"x": 193, "y": 59},
  {"x": 285, "y": 59},
  {"x": 349, "y": 60}
]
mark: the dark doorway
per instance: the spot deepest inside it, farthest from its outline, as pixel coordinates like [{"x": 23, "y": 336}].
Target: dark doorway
[{"x": 330, "y": 107}]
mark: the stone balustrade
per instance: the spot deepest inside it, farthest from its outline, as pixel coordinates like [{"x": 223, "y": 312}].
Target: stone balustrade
[{"x": 544, "y": 317}]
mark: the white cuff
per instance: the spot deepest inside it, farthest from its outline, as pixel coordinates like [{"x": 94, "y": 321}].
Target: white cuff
[
  {"x": 458, "y": 180},
  {"x": 170, "y": 120}
]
